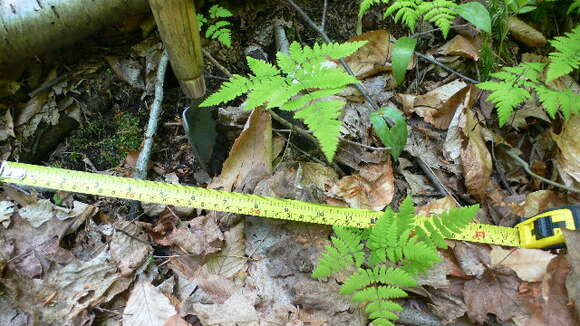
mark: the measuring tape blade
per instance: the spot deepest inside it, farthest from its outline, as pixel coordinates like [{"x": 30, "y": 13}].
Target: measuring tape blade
[{"x": 218, "y": 200}]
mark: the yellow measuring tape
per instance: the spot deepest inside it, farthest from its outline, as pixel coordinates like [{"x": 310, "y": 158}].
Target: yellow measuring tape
[{"x": 180, "y": 195}]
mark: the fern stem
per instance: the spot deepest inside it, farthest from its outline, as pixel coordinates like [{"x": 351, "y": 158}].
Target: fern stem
[
  {"x": 216, "y": 63},
  {"x": 526, "y": 168}
]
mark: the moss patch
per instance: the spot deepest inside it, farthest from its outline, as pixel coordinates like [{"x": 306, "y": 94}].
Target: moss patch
[{"x": 105, "y": 141}]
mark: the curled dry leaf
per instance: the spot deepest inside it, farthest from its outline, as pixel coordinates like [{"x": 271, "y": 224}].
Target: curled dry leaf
[
  {"x": 525, "y": 33},
  {"x": 568, "y": 161},
  {"x": 475, "y": 158},
  {"x": 436, "y": 206},
  {"x": 529, "y": 264},
  {"x": 147, "y": 306},
  {"x": 437, "y": 106},
  {"x": 374, "y": 57},
  {"x": 231, "y": 260},
  {"x": 6, "y": 124},
  {"x": 250, "y": 158},
  {"x": 371, "y": 188},
  {"x": 461, "y": 46}
]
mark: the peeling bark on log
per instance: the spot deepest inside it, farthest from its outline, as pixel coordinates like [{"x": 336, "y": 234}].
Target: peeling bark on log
[{"x": 30, "y": 27}]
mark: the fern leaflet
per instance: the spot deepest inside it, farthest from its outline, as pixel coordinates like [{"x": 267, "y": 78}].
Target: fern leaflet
[
  {"x": 439, "y": 12},
  {"x": 567, "y": 56},
  {"x": 346, "y": 251},
  {"x": 406, "y": 11}
]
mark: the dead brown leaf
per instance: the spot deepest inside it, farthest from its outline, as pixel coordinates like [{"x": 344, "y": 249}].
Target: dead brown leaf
[
  {"x": 525, "y": 33},
  {"x": 494, "y": 292},
  {"x": 250, "y": 158},
  {"x": 529, "y": 264},
  {"x": 475, "y": 158},
  {"x": 147, "y": 306},
  {"x": 128, "y": 253},
  {"x": 436, "y": 206},
  {"x": 573, "y": 282},
  {"x": 371, "y": 188},
  {"x": 548, "y": 303},
  {"x": 568, "y": 161},
  {"x": 200, "y": 236},
  {"x": 128, "y": 70},
  {"x": 461, "y": 46},
  {"x": 538, "y": 201},
  {"x": 374, "y": 57}
]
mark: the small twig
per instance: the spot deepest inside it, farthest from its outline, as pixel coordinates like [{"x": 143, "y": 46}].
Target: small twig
[
  {"x": 145, "y": 154},
  {"x": 216, "y": 63},
  {"x": 346, "y": 141},
  {"x": 526, "y": 168},
  {"x": 282, "y": 43},
  {"x": 208, "y": 75},
  {"x": 133, "y": 237},
  {"x": 500, "y": 172},
  {"x": 324, "y": 9}
]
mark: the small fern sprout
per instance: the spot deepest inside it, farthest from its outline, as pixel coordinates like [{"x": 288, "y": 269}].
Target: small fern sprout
[
  {"x": 398, "y": 248},
  {"x": 301, "y": 83},
  {"x": 439, "y": 12},
  {"x": 218, "y": 30}
]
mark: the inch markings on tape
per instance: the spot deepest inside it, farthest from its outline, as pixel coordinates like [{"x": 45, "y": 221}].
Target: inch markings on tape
[{"x": 224, "y": 201}]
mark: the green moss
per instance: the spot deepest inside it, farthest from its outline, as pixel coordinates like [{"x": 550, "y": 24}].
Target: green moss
[{"x": 105, "y": 141}]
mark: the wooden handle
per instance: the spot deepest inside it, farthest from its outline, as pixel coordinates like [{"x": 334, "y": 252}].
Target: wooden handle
[{"x": 177, "y": 24}]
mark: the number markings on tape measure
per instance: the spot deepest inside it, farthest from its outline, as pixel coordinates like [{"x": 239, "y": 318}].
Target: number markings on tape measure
[{"x": 231, "y": 202}]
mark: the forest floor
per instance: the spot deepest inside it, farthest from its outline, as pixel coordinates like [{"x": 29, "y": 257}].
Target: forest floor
[{"x": 74, "y": 259}]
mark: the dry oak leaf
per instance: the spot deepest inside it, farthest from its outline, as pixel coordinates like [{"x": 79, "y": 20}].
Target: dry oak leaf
[
  {"x": 529, "y": 264},
  {"x": 548, "y": 302},
  {"x": 494, "y": 292},
  {"x": 128, "y": 253},
  {"x": 147, "y": 306},
  {"x": 568, "y": 161},
  {"x": 475, "y": 158},
  {"x": 461, "y": 46},
  {"x": 371, "y": 188},
  {"x": 250, "y": 158},
  {"x": 374, "y": 57}
]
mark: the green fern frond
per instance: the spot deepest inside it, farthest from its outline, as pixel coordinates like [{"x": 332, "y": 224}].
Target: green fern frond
[
  {"x": 300, "y": 82},
  {"x": 347, "y": 250},
  {"x": 514, "y": 87},
  {"x": 365, "y": 5},
  {"x": 217, "y": 11},
  {"x": 406, "y": 11},
  {"x": 439, "y": 12},
  {"x": 567, "y": 56},
  {"x": 395, "y": 257}
]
